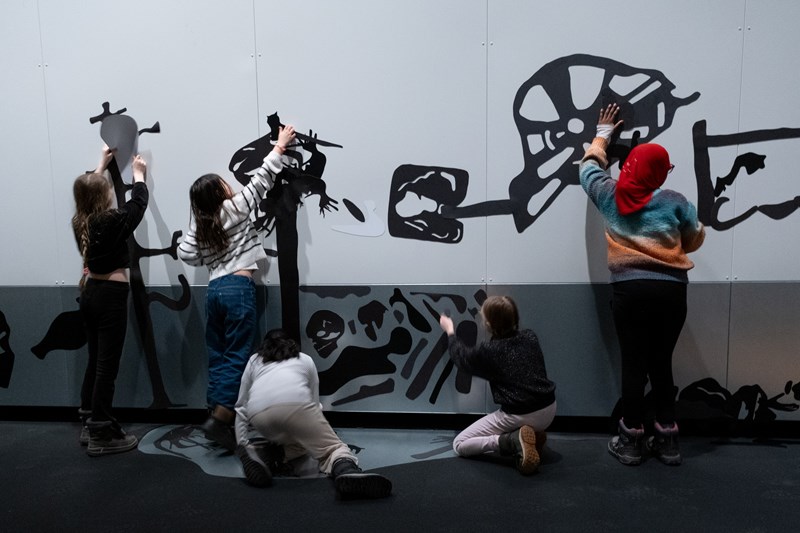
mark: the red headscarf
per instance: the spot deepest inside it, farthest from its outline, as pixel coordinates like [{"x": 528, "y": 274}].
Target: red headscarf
[{"x": 644, "y": 171}]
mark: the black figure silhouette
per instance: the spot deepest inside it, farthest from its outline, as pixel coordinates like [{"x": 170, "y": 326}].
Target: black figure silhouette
[
  {"x": 66, "y": 332},
  {"x": 278, "y": 210}
]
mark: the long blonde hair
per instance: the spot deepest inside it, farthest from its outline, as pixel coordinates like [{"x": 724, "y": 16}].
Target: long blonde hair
[{"x": 92, "y": 194}]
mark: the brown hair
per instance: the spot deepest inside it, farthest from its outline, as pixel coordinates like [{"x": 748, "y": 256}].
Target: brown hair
[
  {"x": 278, "y": 346},
  {"x": 92, "y": 196},
  {"x": 500, "y": 316},
  {"x": 206, "y": 197}
]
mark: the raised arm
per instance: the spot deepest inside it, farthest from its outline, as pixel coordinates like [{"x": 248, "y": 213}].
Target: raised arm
[
  {"x": 606, "y": 125},
  {"x": 264, "y": 177}
]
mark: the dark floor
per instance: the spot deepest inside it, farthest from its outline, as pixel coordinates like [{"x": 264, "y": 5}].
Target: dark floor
[{"x": 49, "y": 484}]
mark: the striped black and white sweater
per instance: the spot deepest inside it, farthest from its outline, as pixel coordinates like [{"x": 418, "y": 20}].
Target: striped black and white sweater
[{"x": 245, "y": 247}]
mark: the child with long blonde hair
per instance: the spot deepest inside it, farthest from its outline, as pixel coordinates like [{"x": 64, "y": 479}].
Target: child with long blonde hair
[{"x": 101, "y": 233}]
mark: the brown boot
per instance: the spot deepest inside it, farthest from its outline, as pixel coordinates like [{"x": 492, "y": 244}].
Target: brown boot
[{"x": 521, "y": 443}]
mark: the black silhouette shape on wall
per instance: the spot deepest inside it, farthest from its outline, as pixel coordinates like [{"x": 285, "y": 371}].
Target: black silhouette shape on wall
[
  {"x": 408, "y": 329},
  {"x": 66, "y": 332},
  {"x": 710, "y": 194},
  {"x": 278, "y": 210},
  {"x": 6, "y": 353},
  {"x": 325, "y": 328},
  {"x": 448, "y": 186},
  {"x": 759, "y": 408},
  {"x": 551, "y": 142}
]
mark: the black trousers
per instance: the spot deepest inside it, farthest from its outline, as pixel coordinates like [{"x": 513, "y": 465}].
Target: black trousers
[
  {"x": 649, "y": 316},
  {"x": 104, "y": 306}
]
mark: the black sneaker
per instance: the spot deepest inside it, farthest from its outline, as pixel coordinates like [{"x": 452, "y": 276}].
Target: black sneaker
[
  {"x": 627, "y": 446},
  {"x": 110, "y": 440},
  {"x": 353, "y": 483},
  {"x": 664, "y": 445},
  {"x": 256, "y": 471}
]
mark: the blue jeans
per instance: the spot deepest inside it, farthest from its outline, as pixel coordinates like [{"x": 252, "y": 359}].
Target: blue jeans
[{"x": 231, "y": 326}]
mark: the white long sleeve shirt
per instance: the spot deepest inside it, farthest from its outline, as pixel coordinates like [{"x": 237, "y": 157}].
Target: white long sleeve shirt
[{"x": 293, "y": 380}]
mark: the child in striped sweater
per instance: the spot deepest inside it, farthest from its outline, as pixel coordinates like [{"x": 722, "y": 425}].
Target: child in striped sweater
[
  {"x": 222, "y": 238},
  {"x": 649, "y": 232}
]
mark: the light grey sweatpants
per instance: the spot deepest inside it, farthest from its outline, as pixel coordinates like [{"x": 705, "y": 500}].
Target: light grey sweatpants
[
  {"x": 302, "y": 428},
  {"x": 484, "y": 434}
]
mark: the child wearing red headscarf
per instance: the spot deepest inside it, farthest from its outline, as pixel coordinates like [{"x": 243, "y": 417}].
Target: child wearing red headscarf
[{"x": 649, "y": 232}]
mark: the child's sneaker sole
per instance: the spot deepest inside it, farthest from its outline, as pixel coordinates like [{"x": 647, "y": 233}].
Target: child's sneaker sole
[{"x": 529, "y": 462}]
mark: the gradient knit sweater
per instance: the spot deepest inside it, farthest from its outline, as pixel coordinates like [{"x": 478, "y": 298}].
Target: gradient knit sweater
[{"x": 650, "y": 243}]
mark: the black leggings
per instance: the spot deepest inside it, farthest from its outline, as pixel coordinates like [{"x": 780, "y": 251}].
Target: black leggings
[
  {"x": 104, "y": 306},
  {"x": 649, "y": 316}
]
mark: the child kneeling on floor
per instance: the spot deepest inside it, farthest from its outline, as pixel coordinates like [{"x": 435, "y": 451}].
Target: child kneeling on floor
[
  {"x": 279, "y": 398},
  {"x": 513, "y": 363}
]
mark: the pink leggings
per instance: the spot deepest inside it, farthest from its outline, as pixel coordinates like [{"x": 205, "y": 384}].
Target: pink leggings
[{"x": 483, "y": 435}]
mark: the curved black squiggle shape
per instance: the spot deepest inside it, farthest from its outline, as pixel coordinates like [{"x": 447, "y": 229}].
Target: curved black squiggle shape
[
  {"x": 425, "y": 373},
  {"x": 169, "y": 303},
  {"x": 356, "y": 361},
  {"x": 414, "y": 316},
  {"x": 708, "y": 200},
  {"x": 6, "y": 354},
  {"x": 750, "y": 162},
  {"x": 354, "y": 210},
  {"x": 336, "y": 292},
  {"x": 66, "y": 332},
  {"x": 459, "y": 301},
  {"x": 412, "y": 358},
  {"x": 366, "y": 391},
  {"x": 468, "y": 331}
]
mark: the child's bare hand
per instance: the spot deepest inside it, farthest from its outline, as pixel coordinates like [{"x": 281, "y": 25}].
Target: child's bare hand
[
  {"x": 446, "y": 324},
  {"x": 609, "y": 115},
  {"x": 139, "y": 167}
]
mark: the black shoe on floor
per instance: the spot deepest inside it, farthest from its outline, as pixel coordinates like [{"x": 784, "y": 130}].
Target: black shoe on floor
[
  {"x": 109, "y": 440},
  {"x": 353, "y": 483},
  {"x": 627, "y": 445},
  {"x": 256, "y": 471},
  {"x": 219, "y": 432},
  {"x": 664, "y": 445}
]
